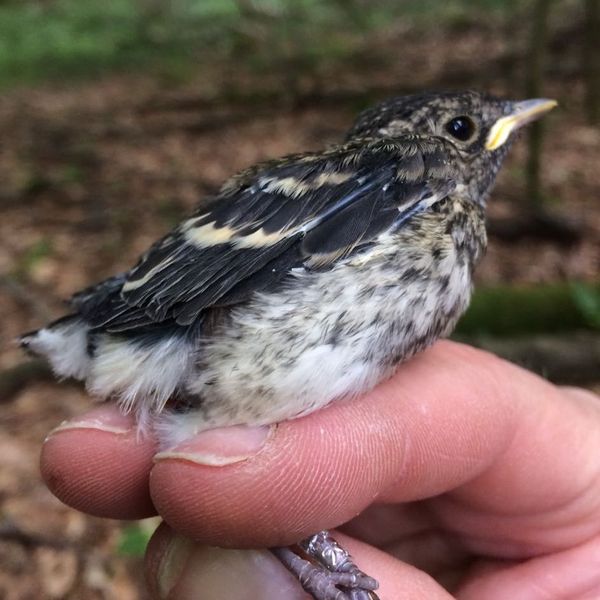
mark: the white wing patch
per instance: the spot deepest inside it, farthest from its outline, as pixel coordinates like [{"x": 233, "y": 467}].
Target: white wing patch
[
  {"x": 133, "y": 284},
  {"x": 293, "y": 187},
  {"x": 209, "y": 235}
]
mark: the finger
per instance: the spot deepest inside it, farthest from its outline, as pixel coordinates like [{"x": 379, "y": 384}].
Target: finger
[
  {"x": 543, "y": 493},
  {"x": 97, "y": 464},
  {"x": 441, "y": 421},
  {"x": 178, "y": 568},
  {"x": 396, "y": 578},
  {"x": 572, "y": 573},
  {"x": 407, "y": 532}
]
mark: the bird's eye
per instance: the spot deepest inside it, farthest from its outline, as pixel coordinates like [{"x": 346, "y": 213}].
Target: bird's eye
[{"x": 461, "y": 128}]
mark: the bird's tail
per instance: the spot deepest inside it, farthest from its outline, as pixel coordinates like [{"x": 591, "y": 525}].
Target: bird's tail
[
  {"x": 63, "y": 343},
  {"x": 142, "y": 371}
]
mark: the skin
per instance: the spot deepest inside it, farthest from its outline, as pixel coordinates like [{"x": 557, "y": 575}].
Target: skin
[{"x": 461, "y": 477}]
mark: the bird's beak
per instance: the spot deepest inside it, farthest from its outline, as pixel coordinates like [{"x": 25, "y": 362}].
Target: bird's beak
[{"x": 523, "y": 112}]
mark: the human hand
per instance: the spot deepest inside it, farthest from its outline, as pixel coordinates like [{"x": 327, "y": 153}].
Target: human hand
[{"x": 461, "y": 473}]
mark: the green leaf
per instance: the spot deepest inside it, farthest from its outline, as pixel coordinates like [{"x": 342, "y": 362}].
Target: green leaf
[
  {"x": 135, "y": 537},
  {"x": 587, "y": 299}
]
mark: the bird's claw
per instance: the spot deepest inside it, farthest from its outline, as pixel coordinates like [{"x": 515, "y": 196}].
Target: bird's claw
[{"x": 329, "y": 572}]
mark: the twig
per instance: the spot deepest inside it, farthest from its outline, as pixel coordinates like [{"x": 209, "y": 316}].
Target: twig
[
  {"x": 12, "y": 533},
  {"x": 543, "y": 225},
  {"x": 13, "y": 380}
]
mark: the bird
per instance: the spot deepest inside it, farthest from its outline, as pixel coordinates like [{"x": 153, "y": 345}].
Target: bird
[{"x": 304, "y": 280}]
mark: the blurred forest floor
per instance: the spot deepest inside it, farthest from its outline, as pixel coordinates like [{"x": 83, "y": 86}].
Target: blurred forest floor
[{"x": 93, "y": 172}]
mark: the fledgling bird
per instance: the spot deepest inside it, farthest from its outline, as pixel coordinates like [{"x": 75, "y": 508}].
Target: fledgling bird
[{"x": 303, "y": 280}]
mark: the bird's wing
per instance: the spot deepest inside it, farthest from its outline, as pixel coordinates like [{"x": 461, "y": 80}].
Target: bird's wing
[
  {"x": 304, "y": 211},
  {"x": 95, "y": 295}
]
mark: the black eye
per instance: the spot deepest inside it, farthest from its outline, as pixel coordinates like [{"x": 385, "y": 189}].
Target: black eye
[{"x": 462, "y": 128}]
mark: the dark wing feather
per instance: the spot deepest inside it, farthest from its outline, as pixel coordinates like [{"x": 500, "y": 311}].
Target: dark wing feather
[
  {"x": 91, "y": 296},
  {"x": 307, "y": 210}
]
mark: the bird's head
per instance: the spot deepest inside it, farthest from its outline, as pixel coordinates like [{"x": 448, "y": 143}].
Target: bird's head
[{"x": 480, "y": 127}]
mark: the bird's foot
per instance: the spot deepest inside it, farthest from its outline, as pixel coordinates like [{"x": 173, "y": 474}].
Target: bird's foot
[{"x": 328, "y": 571}]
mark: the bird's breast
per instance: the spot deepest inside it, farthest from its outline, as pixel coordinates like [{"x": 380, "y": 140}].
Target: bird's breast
[{"x": 338, "y": 333}]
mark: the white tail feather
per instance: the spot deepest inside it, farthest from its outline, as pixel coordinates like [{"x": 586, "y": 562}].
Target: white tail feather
[{"x": 64, "y": 345}]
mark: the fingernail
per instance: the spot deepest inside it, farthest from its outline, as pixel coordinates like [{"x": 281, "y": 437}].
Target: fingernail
[
  {"x": 219, "y": 447},
  {"x": 189, "y": 571},
  {"x": 172, "y": 564},
  {"x": 106, "y": 418}
]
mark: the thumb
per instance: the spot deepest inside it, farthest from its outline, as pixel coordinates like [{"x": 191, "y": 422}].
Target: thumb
[{"x": 180, "y": 569}]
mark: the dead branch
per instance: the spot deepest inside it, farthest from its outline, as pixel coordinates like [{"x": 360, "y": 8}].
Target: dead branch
[
  {"x": 565, "y": 359},
  {"x": 24, "y": 296},
  {"x": 542, "y": 226}
]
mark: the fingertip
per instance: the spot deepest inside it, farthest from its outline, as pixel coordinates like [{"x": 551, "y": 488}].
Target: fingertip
[
  {"x": 247, "y": 503},
  {"x": 177, "y": 568},
  {"x": 102, "y": 471},
  {"x": 164, "y": 560}
]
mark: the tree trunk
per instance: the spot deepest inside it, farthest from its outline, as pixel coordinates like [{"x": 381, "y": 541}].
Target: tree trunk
[
  {"x": 512, "y": 17},
  {"x": 533, "y": 88},
  {"x": 591, "y": 60}
]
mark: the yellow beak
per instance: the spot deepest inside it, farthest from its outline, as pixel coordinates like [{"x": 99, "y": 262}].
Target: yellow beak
[{"x": 524, "y": 112}]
